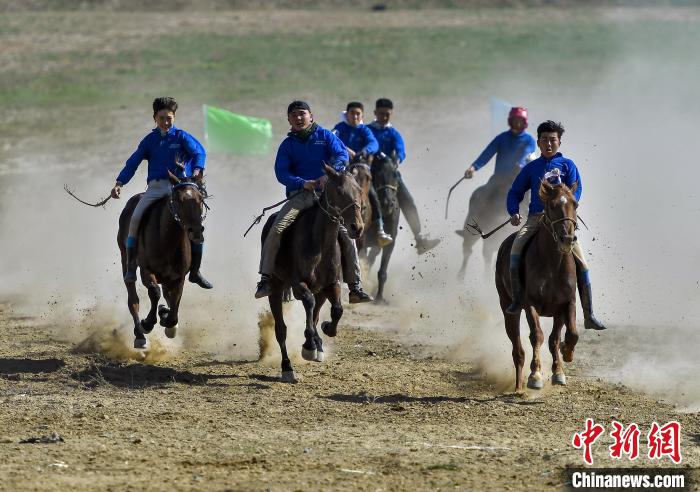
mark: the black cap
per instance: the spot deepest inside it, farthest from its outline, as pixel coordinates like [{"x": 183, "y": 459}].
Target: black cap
[{"x": 294, "y": 105}]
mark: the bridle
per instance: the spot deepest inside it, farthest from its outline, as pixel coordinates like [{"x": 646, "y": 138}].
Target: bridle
[
  {"x": 549, "y": 224},
  {"x": 171, "y": 202},
  {"x": 334, "y": 213}
]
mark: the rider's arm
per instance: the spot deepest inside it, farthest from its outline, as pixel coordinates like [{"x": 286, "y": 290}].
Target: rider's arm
[
  {"x": 339, "y": 154},
  {"x": 371, "y": 144},
  {"x": 283, "y": 168},
  {"x": 486, "y": 155},
  {"x": 194, "y": 149},
  {"x": 572, "y": 176},
  {"x": 517, "y": 191},
  {"x": 132, "y": 163},
  {"x": 399, "y": 146}
]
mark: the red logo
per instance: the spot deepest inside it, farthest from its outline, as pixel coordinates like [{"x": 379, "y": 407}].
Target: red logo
[
  {"x": 665, "y": 441},
  {"x": 586, "y": 439},
  {"x": 626, "y": 441}
]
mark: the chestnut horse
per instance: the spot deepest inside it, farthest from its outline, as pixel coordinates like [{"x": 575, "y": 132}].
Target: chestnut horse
[
  {"x": 164, "y": 253},
  {"x": 548, "y": 273},
  {"x": 309, "y": 262}
]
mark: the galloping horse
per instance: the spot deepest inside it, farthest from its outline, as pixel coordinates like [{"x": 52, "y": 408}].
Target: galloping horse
[
  {"x": 164, "y": 252},
  {"x": 549, "y": 286},
  {"x": 309, "y": 262},
  {"x": 386, "y": 179}
]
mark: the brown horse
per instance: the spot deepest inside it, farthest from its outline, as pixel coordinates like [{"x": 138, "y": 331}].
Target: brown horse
[
  {"x": 164, "y": 253},
  {"x": 309, "y": 262},
  {"x": 548, "y": 271},
  {"x": 362, "y": 173}
]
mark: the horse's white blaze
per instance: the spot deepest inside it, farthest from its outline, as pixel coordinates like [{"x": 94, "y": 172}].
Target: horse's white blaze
[
  {"x": 189, "y": 193},
  {"x": 562, "y": 199}
]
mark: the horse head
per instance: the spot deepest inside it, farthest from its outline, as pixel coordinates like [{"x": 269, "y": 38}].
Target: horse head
[
  {"x": 385, "y": 175},
  {"x": 187, "y": 205},
  {"x": 560, "y": 213},
  {"x": 343, "y": 197}
]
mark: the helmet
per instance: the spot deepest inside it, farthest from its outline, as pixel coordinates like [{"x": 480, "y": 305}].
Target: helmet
[{"x": 518, "y": 112}]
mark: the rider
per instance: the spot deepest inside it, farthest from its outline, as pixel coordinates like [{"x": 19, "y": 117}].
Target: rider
[
  {"x": 513, "y": 149},
  {"x": 360, "y": 142},
  {"x": 390, "y": 141},
  {"x": 299, "y": 166},
  {"x": 167, "y": 149},
  {"x": 553, "y": 166}
]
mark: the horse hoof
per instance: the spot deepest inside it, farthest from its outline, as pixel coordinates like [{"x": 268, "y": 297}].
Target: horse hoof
[
  {"x": 171, "y": 332},
  {"x": 559, "y": 379},
  {"x": 535, "y": 384},
  {"x": 308, "y": 354},
  {"x": 163, "y": 311},
  {"x": 140, "y": 343},
  {"x": 567, "y": 355},
  {"x": 328, "y": 329},
  {"x": 320, "y": 356},
  {"x": 289, "y": 377}
]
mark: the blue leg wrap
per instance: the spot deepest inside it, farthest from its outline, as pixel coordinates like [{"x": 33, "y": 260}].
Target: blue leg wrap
[
  {"x": 197, "y": 248},
  {"x": 130, "y": 242},
  {"x": 586, "y": 277}
]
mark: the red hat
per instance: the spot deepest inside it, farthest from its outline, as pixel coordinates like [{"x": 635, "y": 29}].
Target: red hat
[{"x": 518, "y": 112}]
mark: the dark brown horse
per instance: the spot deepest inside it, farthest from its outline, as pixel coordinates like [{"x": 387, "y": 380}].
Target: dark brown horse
[
  {"x": 164, "y": 253},
  {"x": 309, "y": 262},
  {"x": 548, "y": 275},
  {"x": 386, "y": 179}
]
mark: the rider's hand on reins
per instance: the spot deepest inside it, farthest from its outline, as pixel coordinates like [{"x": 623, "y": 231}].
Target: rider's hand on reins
[
  {"x": 469, "y": 173},
  {"x": 515, "y": 219},
  {"x": 116, "y": 191}
]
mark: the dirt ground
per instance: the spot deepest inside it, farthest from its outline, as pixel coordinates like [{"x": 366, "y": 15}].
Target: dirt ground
[{"x": 375, "y": 416}]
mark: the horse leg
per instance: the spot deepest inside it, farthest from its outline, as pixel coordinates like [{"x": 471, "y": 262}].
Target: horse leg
[
  {"x": 571, "y": 336},
  {"x": 372, "y": 256},
  {"x": 149, "y": 280},
  {"x": 534, "y": 380},
  {"x": 558, "y": 376},
  {"x": 382, "y": 273},
  {"x": 173, "y": 296},
  {"x": 133, "y": 303},
  {"x": 467, "y": 246},
  {"x": 275, "y": 300},
  {"x": 330, "y": 328},
  {"x": 319, "y": 299},
  {"x": 308, "y": 348},
  {"x": 512, "y": 322}
]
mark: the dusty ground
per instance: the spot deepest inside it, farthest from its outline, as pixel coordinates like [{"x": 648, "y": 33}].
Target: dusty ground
[{"x": 375, "y": 416}]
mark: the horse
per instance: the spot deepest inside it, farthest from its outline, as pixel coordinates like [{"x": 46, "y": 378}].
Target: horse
[
  {"x": 309, "y": 262},
  {"x": 362, "y": 172},
  {"x": 485, "y": 208},
  {"x": 385, "y": 177},
  {"x": 164, "y": 252},
  {"x": 548, "y": 271}
]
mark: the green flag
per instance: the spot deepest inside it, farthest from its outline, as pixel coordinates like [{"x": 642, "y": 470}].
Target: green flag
[{"x": 230, "y": 133}]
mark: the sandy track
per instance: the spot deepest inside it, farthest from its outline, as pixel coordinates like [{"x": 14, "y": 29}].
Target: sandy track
[{"x": 375, "y": 416}]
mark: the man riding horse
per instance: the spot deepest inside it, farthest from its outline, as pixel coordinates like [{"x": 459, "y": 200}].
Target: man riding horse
[
  {"x": 167, "y": 149},
  {"x": 391, "y": 143},
  {"x": 360, "y": 144},
  {"x": 556, "y": 169},
  {"x": 512, "y": 149},
  {"x": 299, "y": 166}
]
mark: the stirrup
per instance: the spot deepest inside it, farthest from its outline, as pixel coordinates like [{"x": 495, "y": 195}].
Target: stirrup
[{"x": 384, "y": 239}]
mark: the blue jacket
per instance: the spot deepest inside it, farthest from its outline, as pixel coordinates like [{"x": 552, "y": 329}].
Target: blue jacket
[
  {"x": 357, "y": 138},
  {"x": 300, "y": 160},
  {"x": 161, "y": 152},
  {"x": 389, "y": 140},
  {"x": 531, "y": 176},
  {"x": 511, "y": 151}
]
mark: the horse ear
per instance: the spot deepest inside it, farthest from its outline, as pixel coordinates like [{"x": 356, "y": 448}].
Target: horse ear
[
  {"x": 332, "y": 173},
  {"x": 173, "y": 179},
  {"x": 546, "y": 190}
]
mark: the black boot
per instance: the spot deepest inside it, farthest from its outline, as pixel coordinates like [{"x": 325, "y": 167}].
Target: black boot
[
  {"x": 586, "y": 295},
  {"x": 516, "y": 289},
  {"x": 130, "y": 274},
  {"x": 195, "y": 275},
  {"x": 357, "y": 295},
  {"x": 264, "y": 288}
]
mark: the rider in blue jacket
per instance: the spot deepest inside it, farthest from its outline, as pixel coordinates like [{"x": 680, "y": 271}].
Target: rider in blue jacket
[
  {"x": 391, "y": 143},
  {"x": 167, "y": 149},
  {"x": 553, "y": 166},
  {"x": 299, "y": 166},
  {"x": 513, "y": 149},
  {"x": 361, "y": 144}
]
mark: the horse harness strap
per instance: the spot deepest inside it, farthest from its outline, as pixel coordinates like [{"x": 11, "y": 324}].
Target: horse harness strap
[
  {"x": 391, "y": 187},
  {"x": 338, "y": 216},
  {"x": 171, "y": 203}
]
